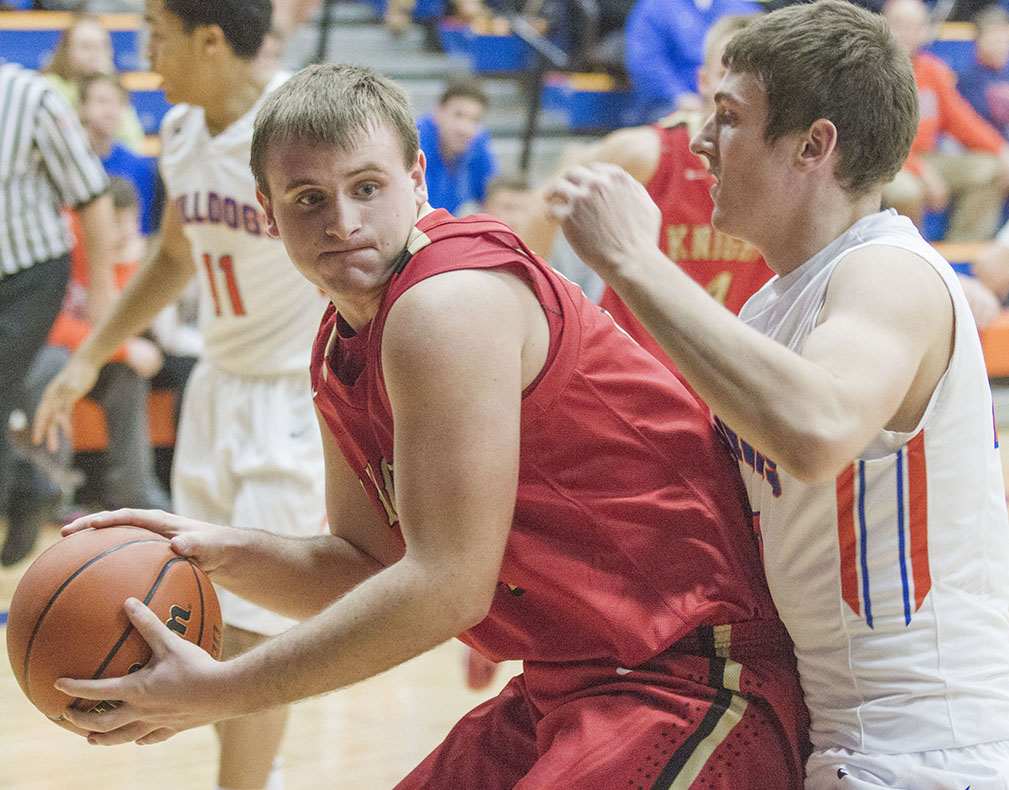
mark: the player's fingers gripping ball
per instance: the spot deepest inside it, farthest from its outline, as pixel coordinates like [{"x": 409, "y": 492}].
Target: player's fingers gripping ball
[{"x": 67, "y": 618}]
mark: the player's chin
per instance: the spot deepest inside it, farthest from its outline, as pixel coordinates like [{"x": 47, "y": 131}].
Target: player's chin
[{"x": 718, "y": 218}]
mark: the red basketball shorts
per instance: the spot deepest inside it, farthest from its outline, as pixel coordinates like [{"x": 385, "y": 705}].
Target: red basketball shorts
[{"x": 676, "y": 722}]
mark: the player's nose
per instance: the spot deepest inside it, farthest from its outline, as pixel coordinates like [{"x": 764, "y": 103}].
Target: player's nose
[
  {"x": 343, "y": 219},
  {"x": 702, "y": 143}
]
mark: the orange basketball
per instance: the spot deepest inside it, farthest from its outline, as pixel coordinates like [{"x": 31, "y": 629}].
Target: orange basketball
[{"x": 66, "y": 618}]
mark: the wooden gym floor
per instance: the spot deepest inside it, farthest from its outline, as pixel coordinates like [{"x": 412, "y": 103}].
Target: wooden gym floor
[{"x": 366, "y": 737}]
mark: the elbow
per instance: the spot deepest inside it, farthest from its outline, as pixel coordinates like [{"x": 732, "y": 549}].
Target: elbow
[
  {"x": 472, "y": 609},
  {"x": 454, "y": 600},
  {"x": 815, "y": 459},
  {"x": 469, "y": 606}
]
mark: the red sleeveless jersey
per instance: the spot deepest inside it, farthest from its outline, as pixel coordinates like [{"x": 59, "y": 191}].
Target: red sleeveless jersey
[
  {"x": 729, "y": 269},
  {"x": 629, "y": 529}
]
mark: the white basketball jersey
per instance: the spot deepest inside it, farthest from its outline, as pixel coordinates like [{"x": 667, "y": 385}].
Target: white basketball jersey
[
  {"x": 258, "y": 315},
  {"x": 893, "y": 580}
]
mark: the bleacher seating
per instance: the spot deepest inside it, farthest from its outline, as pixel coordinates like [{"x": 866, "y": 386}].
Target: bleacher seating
[
  {"x": 29, "y": 38},
  {"x": 90, "y": 433},
  {"x": 593, "y": 103},
  {"x": 148, "y": 99},
  {"x": 955, "y": 45},
  {"x": 487, "y": 50}
]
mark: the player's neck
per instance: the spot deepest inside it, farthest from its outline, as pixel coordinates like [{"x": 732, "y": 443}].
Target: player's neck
[
  {"x": 233, "y": 95},
  {"x": 811, "y": 227}
]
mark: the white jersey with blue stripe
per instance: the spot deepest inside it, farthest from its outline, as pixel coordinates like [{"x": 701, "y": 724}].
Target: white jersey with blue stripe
[{"x": 893, "y": 580}]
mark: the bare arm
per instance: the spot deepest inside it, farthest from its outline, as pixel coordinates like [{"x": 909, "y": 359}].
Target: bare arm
[
  {"x": 881, "y": 345},
  {"x": 452, "y": 360},
  {"x": 636, "y": 150},
  {"x": 454, "y": 364},
  {"x": 97, "y": 221},
  {"x": 159, "y": 282},
  {"x": 294, "y": 576},
  {"x": 299, "y": 577}
]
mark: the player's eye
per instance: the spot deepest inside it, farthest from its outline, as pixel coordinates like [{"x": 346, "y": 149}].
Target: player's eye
[{"x": 309, "y": 199}]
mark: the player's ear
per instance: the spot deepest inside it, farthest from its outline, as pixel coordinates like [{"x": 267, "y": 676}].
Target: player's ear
[
  {"x": 211, "y": 38},
  {"x": 417, "y": 175},
  {"x": 271, "y": 221},
  {"x": 817, "y": 144}
]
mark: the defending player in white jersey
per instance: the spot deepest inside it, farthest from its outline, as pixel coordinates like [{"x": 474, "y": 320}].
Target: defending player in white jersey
[
  {"x": 248, "y": 450},
  {"x": 853, "y": 392}
]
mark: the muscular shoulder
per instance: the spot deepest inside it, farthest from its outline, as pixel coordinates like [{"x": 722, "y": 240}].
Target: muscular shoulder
[
  {"x": 894, "y": 285},
  {"x": 459, "y": 298},
  {"x": 463, "y": 309}
]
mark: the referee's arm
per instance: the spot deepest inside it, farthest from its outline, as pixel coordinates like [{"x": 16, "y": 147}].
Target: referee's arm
[{"x": 80, "y": 180}]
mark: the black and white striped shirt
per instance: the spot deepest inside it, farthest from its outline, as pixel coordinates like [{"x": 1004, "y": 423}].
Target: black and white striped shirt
[{"x": 45, "y": 163}]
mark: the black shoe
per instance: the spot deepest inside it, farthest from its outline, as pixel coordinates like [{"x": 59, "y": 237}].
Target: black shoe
[{"x": 26, "y": 517}]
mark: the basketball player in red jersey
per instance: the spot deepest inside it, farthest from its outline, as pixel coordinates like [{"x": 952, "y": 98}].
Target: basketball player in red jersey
[
  {"x": 503, "y": 464},
  {"x": 659, "y": 157}
]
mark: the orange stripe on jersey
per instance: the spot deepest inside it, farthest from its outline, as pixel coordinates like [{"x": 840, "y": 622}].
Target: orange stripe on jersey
[
  {"x": 846, "y": 537},
  {"x": 918, "y": 517}
]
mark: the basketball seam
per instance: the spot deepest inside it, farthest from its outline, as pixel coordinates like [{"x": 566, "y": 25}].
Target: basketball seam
[
  {"x": 129, "y": 628},
  {"x": 199, "y": 589}
]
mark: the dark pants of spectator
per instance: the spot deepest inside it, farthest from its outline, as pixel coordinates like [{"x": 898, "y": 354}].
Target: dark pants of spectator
[
  {"x": 29, "y": 303},
  {"x": 128, "y": 477}
]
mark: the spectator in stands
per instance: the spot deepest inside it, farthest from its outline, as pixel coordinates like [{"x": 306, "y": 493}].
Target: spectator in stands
[
  {"x": 986, "y": 83},
  {"x": 991, "y": 265},
  {"x": 176, "y": 330},
  {"x": 45, "y": 163},
  {"x": 508, "y": 198},
  {"x": 123, "y": 386},
  {"x": 592, "y": 31},
  {"x": 457, "y": 147},
  {"x": 664, "y": 43},
  {"x": 85, "y": 48},
  {"x": 972, "y": 182},
  {"x": 103, "y": 100},
  {"x": 270, "y": 57},
  {"x": 399, "y": 14},
  {"x": 289, "y": 15},
  {"x": 961, "y": 10}
]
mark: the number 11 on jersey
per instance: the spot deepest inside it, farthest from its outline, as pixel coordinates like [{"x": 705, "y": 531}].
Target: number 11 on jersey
[{"x": 227, "y": 266}]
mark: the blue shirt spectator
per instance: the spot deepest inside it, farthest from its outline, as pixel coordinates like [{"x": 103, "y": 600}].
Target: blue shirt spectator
[
  {"x": 142, "y": 173},
  {"x": 986, "y": 83},
  {"x": 102, "y": 103},
  {"x": 457, "y": 147},
  {"x": 664, "y": 42}
]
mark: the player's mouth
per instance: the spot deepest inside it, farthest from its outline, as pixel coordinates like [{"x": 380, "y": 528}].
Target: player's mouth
[{"x": 346, "y": 250}]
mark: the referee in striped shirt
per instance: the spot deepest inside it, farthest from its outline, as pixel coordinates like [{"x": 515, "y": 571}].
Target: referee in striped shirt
[{"x": 45, "y": 164}]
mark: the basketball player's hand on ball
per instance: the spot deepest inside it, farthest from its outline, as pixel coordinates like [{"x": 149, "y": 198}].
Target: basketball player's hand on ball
[
  {"x": 181, "y": 687},
  {"x": 606, "y": 215},
  {"x": 204, "y": 543}
]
